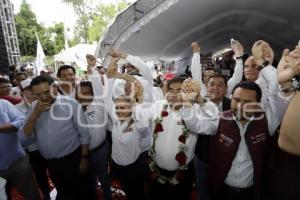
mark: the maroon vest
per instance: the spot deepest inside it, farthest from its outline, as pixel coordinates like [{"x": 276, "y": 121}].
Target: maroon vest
[{"x": 224, "y": 146}]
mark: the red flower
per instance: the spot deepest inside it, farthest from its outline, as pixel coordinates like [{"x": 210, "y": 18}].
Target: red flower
[
  {"x": 181, "y": 158},
  {"x": 164, "y": 113},
  {"x": 180, "y": 175},
  {"x": 158, "y": 128},
  {"x": 182, "y": 139}
]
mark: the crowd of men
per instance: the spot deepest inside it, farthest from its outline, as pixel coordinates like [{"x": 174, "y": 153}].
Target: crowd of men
[{"x": 232, "y": 137}]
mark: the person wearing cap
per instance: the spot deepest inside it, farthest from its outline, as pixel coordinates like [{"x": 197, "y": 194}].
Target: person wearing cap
[
  {"x": 38, "y": 163},
  {"x": 16, "y": 91},
  {"x": 139, "y": 69},
  {"x": 29, "y": 71},
  {"x": 26, "y": 94}
]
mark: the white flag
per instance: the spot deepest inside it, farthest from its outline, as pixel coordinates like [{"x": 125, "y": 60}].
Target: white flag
[{"x": 40, "y": 56}]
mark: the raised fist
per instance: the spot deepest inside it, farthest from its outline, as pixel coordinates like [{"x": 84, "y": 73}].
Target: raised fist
[
  {"x": 134, "y": 90},
  {"x": 262, "y": 52},
  {"x": 190, "y": 89},
  {"x": 289, "y": 65},
  {"x": 238, "y": 49},
  {"x": 91, "y": 60},
  {"x": 117, "y": 53},
  {"x": 195, "y": 47}
]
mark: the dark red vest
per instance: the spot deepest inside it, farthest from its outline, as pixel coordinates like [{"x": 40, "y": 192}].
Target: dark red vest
[{"x": 224, "y": 146}]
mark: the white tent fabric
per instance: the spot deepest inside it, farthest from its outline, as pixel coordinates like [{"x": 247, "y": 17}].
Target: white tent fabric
[
  {"x": 164, "y": 29},
  {"x": 76, "y": 54}
]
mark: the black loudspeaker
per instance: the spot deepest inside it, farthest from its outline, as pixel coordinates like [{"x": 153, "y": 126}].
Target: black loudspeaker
[{"x": 4, "y": 63}]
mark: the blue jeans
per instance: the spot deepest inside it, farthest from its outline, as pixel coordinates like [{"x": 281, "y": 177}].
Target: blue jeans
[
  {"x": 99, "y": 169},
  {"x": 201, "y": 173}
]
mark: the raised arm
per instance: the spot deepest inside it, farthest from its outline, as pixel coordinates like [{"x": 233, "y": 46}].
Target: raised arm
[
  {"x": 137, "y": 62},
  {"x": 199, "y": 115},
  {"x": 238, "y": 69},
  {"x": 273, "y": 105},
  {"x": 133, "y": 87},
  {"x": 196, "y": 67},
  {"x": 288, "y": 68}
]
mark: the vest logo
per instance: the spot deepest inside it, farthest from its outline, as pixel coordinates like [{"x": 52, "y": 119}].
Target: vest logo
[
  {"x": 259, "y": 138},
  {"x": 225, "y": 139}
]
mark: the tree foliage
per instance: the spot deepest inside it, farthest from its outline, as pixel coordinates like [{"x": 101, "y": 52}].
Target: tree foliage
[
  {"x": 102, "y": 17},
  {"x": 82, "y": 9},
  {"x": 93, "y": 17},
  {"x": 52, "y": 38}
]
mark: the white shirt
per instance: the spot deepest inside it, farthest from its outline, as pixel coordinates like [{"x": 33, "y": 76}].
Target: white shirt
[
  {"x": 272, "y": 102},
  {"x": 118, "y": 88},
  {"x": 2, "y": 189},
  {"x": 128, "y": 145},
  {"x": 16, "y": 91},
  {"x": 97, "y": 120},
  {"x": 157, "y": 94},
  {"x": 22, "y": 107},
  {"x": 146, "y": 80},
  {"x": 241, "y": 172},
  {"x": 143, "y": 68},
  {"x": 72, "y": 94},
  {"x": 167, "y": 143},
  {"x": 196, "y": 69}
]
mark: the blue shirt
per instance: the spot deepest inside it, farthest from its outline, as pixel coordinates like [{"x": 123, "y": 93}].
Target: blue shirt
[
  {"x": 60, "y": 130},
  {"x": 10, "y": 147}
]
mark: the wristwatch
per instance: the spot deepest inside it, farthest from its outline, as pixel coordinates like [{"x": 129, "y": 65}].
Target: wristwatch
[{"x": 265, "y": 64}]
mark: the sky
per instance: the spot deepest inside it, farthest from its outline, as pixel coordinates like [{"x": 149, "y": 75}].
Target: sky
[{"x": 49, "y": 12}]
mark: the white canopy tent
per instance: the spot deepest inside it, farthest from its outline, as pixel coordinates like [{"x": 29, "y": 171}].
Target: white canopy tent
[
  {"x": 164, "y": 29},
  {"x": 76, "y": 54}
]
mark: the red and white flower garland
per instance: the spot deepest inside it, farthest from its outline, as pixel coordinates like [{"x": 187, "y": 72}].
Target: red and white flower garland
[{"x": 181, "y": 156}]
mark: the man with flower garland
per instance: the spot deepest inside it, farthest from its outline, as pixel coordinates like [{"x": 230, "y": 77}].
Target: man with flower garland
[{"x": 172, "y": 151}]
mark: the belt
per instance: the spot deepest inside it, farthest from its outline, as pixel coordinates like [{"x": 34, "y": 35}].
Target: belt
[{"x": 238, "y": 190}]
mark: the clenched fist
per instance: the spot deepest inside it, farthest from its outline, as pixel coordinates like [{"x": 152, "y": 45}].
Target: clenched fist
[
  {"x": 262, "y": 52},
  {"x": 91, "y": 60},
  {"x": 195, "y": 47},
  {"x": 190, "y": 89},
  {"x": 289, "y": 65}
]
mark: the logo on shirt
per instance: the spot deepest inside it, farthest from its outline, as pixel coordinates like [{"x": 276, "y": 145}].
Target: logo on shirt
[
  {"x": 258, "y": 138},
  {"x": 225, "y": 139}
]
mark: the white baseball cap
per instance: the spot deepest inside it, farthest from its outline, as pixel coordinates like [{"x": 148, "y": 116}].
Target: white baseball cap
[{"x": 25, "y": 83}]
